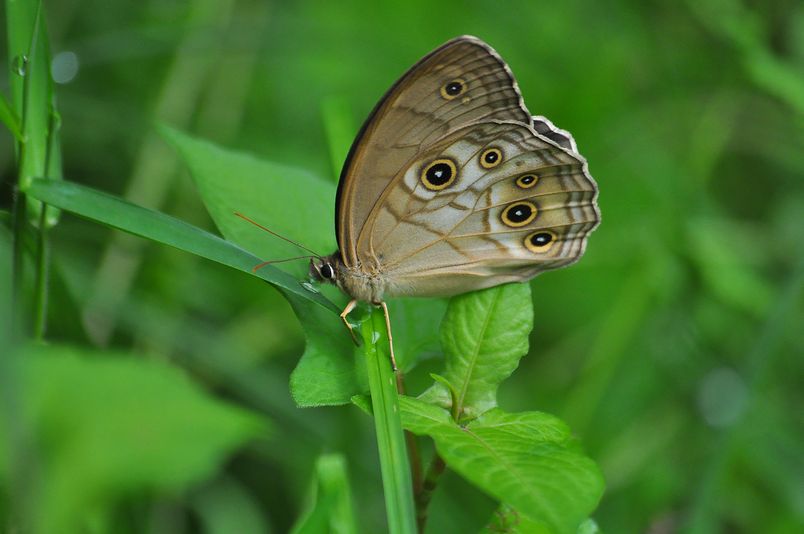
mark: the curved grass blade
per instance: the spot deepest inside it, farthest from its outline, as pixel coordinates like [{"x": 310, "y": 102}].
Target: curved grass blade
[{"x": 118, "y": 213}]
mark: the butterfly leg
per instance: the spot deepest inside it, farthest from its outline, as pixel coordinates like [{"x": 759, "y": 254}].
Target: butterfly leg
[
  {"x": 390, "y": 337},
  {"x": 346, "y": 311}
]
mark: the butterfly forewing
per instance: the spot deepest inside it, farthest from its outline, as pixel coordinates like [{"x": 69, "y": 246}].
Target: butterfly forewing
[{"x": 416, "y": 112}]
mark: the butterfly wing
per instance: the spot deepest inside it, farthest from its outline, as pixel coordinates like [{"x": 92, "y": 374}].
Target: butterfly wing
[
  {"x": 453, "y": 186},
  {"x": 414, "y": 113}
]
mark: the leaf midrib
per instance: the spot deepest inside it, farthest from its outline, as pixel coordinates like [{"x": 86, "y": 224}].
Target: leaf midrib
[
  {"x": 509, "y": 468},
  {"x": 473, "y": 359}
]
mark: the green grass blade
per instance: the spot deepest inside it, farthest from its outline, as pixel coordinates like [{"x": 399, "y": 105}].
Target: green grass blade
[
  {"x": 10, "y": 118},
  {"x": 32, "y": 93},
  {"x": 396, "y": 477},
  {"x": 117, "y": 213}
]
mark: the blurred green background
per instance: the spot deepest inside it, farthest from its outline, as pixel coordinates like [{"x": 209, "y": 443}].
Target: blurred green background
[{"x": 673, "y": 349}]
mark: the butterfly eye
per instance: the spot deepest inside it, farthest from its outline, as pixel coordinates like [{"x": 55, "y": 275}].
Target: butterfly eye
[
  {"x": 327, "y": 272},
  {"x": 453, "y": 89},
  {"x": 491, "y": 157},
  {"x": 527, "y": 181},
  {"x": 519, "y": 214},
  {"x": 439, "y": 174},
  {"x": 540, "y": 241}
]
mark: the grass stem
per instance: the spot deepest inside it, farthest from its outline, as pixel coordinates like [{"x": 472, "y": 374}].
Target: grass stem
[{"x": 394, "y": 465}]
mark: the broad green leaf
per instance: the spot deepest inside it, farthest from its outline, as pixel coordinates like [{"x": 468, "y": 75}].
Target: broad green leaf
[
  {"x": 528, "y": 460},
  {"x": 414, "y": 324},
  {"x": 287, "y": 200},
  {"x": 484, "y": 334},
  {"x": 297, "y": 205},
  {"x": 507, "y": 519},
  {"x": 329, "y": 506},
  {"x": 94, "y": 429},
  {"x": 118, "y": 213},
  {"x": 331, "y": 369}
]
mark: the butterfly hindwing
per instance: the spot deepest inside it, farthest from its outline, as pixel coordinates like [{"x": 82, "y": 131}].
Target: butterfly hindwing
[{"x": 469, "y": 229}]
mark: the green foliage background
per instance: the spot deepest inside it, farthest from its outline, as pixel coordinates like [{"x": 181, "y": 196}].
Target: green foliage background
[{"x": 673, "y": 350}]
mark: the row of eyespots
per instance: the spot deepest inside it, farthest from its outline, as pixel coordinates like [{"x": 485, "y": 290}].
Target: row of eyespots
[
  {"x": 441, "y": 173},
  {"x": 523, "y": 213}
]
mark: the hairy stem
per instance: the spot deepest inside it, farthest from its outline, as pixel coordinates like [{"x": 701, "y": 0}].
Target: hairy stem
[{"x": 423, "y": 498}]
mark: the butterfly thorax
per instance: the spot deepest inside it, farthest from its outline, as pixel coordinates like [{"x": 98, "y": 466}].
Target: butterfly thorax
[{"x": 359, "y": 282}]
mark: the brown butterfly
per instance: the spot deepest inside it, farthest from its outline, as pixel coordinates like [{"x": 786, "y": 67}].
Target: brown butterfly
[{"x": 452, "y": 186}]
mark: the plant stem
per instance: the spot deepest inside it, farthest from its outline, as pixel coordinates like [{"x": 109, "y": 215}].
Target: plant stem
[
  {"x": 434, "y": 472},
  {"x": 424, "y": 494},
  {"x": 396, "y": 475},
  {"x": 412, "y": 445},
  {"x": 40, "y": 290},
  {"x": 17, "y": 275}
]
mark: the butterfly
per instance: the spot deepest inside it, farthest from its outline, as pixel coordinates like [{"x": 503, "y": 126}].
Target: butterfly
[{"x": 451, "y": 186}]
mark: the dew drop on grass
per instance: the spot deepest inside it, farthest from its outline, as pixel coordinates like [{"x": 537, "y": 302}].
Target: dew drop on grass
[
  {"x": 19, "y": 65},
  {"x": 309, "y": 287}
]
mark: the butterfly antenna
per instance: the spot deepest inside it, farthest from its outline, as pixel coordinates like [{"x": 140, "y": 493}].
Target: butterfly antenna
[
  {"x": 263, "y": 264},
  {"x": 258, "y": 225}
]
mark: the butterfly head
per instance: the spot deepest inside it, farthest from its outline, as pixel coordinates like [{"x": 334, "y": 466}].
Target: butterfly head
[{"x": 324, "y": 269}]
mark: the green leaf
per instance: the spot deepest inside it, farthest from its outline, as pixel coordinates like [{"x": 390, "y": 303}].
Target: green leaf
[
  {"x": 507, "y": 519},
  {"x": 414, "y": 322},
  {"x": 331, "y": 370},
  {"x": 484, "y": 334},
  {"x": 298, "y": 205},
  {"x": 118, "y": 213},
  {"x": 329, "y": 506},
  {"x": 528, "y": 460},
  {"x": 10, "y": 118},
  {"x": 364, "y": 403},
  {"x": 287, "y": 200},
  {"x": 101, "y": 428}
]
